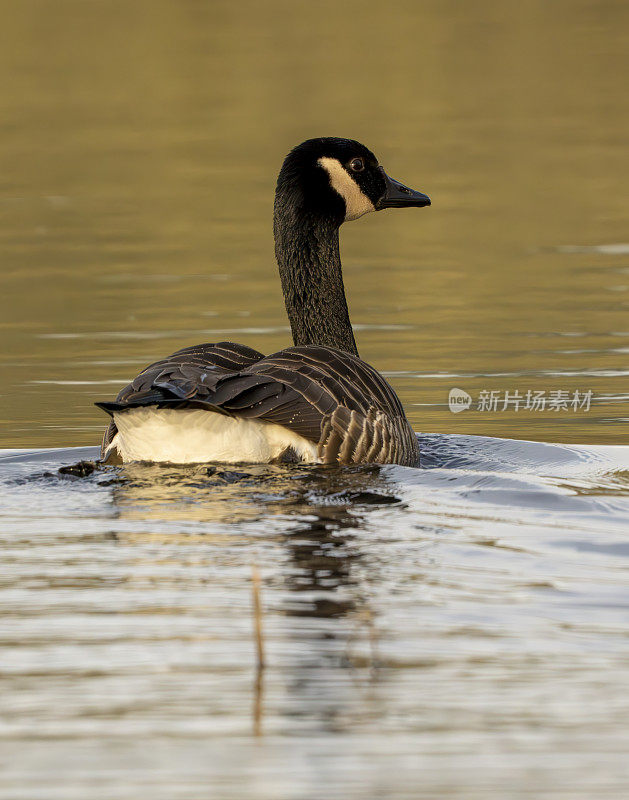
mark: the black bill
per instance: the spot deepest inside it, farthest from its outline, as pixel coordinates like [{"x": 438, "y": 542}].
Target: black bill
[{"x": 397, "y": 195}]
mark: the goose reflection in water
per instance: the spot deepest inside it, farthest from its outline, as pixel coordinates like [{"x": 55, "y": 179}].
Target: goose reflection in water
[
  {"x": 313, "y": 513},
  {"x": 302, "y": 527}
]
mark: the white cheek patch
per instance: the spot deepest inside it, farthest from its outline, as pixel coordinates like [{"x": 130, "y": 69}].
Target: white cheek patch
[{"x": 356, "y": 201}]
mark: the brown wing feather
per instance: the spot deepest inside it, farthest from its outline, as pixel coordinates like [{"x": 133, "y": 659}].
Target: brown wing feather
[
  {"x": 190, "y": 373},
  {"x": 362, "y": 417},
  {"x": 328, "y": 396}
]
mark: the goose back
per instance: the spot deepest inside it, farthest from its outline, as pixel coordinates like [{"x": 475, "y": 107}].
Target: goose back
[{"x": 329, "y": 397}]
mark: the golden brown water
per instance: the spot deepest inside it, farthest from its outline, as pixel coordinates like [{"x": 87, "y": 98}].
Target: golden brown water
[
  {"x": 140, "y": 145},
  {"x": 458, "y": 631}
]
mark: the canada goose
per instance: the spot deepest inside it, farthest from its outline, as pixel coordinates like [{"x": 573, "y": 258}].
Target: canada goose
[{"x": 316, "y": 401}]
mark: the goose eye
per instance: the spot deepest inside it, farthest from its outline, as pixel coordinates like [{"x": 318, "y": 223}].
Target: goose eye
[{"x": 357, "y": 165}]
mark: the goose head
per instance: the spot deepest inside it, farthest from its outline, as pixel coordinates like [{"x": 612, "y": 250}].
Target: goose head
[{"x": 340, "y": 180}]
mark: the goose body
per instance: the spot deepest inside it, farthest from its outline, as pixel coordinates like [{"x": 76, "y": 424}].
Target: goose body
[{"x": 314, "y": 402}]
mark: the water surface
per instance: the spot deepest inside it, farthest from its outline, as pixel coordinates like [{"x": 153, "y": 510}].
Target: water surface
[
  {"x": 454, "y": 631},
  {"x": 140, "y": 148},
  {"x": 457, "y": 631}
]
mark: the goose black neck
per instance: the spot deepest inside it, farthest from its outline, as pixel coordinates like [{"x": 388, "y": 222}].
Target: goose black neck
[{"x": 307, "y": 252}]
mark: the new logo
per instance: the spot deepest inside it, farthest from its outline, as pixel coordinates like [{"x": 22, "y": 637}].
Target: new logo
[{"x": 458, "y": 400}]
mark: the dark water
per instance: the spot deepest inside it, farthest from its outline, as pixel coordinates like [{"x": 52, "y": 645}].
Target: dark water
[
  {"x": 140, "y": 144},
  {"x": 459, "y": 631}
]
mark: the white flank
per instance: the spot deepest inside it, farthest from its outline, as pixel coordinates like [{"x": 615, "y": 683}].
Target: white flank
[
  {"x": 194, "y": 436},
  {"x": 356, "y": 201}
]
